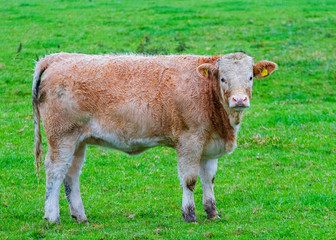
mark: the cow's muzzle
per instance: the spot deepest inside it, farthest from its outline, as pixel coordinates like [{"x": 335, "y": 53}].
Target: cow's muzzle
[{"x": 239, "y": 102}]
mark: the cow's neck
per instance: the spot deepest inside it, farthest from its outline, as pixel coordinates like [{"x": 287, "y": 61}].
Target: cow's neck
[
  {"x": 225, "y": 121},
  {"x": 235, "y": 117}
]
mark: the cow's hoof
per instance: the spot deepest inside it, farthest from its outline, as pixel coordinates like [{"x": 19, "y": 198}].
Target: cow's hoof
[
  {"x": 80, "y": 219},
  {"x": 210, "y": 209},
  {"x": 189, "y": 214},
  {"x": 215, "y": 217},
  {"x": 191, "y": 219},
  {"x": 86, "y": 222},
  {"x": 57, "y": 220}
]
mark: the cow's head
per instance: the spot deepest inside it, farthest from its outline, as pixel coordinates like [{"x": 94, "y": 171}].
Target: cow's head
[{"x": 235, "y": 74}]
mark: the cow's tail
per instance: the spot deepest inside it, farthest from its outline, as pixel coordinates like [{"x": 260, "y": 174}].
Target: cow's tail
[{"x": 40, "y": 67}]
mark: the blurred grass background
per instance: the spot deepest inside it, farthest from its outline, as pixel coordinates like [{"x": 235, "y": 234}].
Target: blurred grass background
[{"x": 279, "y": 183}]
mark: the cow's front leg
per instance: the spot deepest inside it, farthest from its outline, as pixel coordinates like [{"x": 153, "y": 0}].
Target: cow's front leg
[
  {"x": 189, "y": 153},
  {"x": 208, "y": 169},
  {"x": 188, "y": 178}
]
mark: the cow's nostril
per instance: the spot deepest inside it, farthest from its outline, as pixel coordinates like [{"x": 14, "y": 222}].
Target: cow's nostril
[
  {"x": 234, "y": 100},
  {"x": 245, "y": 99}
]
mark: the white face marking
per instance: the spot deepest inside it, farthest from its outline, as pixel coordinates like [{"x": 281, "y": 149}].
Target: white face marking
[{"x": 236, "y": 78}]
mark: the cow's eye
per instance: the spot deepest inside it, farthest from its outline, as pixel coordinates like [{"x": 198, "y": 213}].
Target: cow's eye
[
  {"x": 251, "y": 78},
  {"x": 223, "y": 80}
]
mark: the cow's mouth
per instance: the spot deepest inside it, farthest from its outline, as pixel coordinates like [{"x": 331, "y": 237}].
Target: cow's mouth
[{"x": 240, "y": 108}]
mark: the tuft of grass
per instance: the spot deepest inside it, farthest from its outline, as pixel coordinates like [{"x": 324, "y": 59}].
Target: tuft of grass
[{"x": 279, "y": 183}]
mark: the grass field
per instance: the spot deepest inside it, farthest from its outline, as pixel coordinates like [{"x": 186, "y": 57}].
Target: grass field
[{"x": 279, "y": 183}]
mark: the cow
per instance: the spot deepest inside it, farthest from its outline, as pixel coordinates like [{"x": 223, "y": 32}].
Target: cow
[{"x": 131, "y": 103}]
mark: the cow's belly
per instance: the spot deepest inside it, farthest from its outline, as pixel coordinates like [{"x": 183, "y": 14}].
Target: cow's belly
[
  {"x": 130, "y": 142},
  {"x": 130, "y": 146},
  {"x": 216, "y": 147}
]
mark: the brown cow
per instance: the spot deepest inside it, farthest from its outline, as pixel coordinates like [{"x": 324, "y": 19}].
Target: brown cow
[{"x": 193, "y": 104}]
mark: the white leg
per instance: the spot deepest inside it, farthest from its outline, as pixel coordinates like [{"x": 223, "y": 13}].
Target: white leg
[
  {"x": 57, "y": 163},
  {"x": 71, "y": 185},
  {"x": 208, "y": 169},
  {"x": 189, "y": 152},
  {"x": 188, "y": 178}
]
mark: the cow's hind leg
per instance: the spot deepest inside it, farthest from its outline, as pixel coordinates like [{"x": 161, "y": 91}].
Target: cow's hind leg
[
  {"x": 58, "y": 160},
  {"x": 71, "y": 185},
  {"x": 208, "y": 169}
]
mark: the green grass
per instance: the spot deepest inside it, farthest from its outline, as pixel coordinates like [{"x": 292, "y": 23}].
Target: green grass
[{"x": 280, "y": 181}]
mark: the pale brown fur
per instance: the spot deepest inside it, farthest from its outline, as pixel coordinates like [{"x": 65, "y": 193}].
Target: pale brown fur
[
  {"x": 132, "y": 103},
  {"x": 115, "y": 89}
]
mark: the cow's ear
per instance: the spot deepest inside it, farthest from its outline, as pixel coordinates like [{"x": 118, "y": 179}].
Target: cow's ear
[
  {"x": 207, "y": 70},
  {"x": 264, "y": 68}
]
